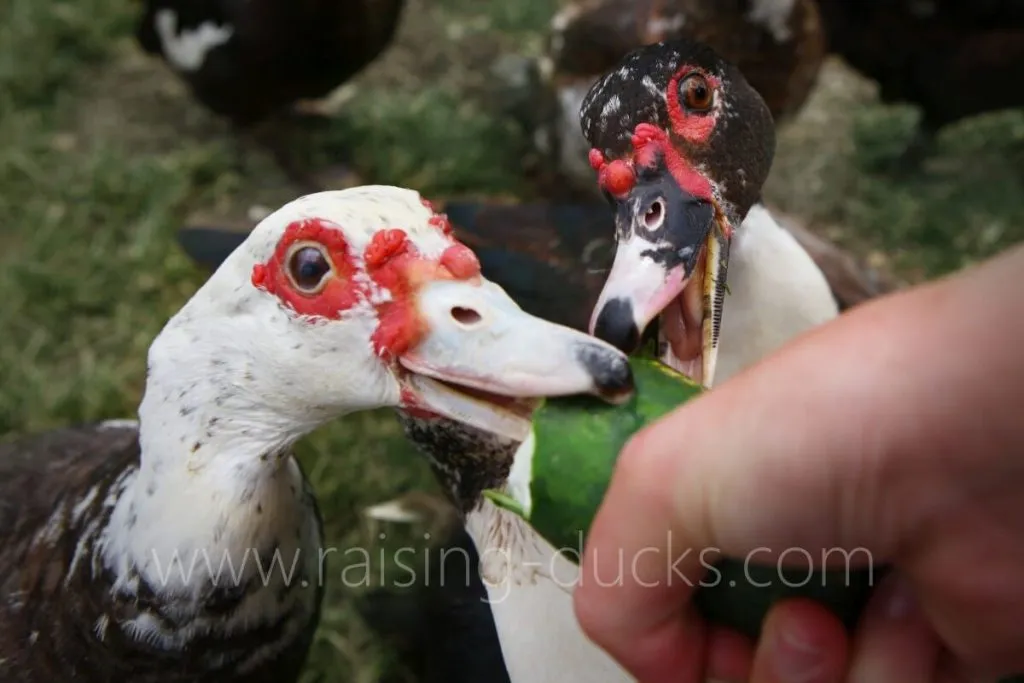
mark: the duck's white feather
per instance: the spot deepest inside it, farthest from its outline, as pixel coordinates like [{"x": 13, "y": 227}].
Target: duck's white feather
[
  {"x": 776, "y": 292},
  {"x": 529, "y": 587}
]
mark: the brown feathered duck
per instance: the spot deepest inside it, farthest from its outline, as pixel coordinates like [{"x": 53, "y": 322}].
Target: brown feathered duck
[
  {"x": 266, "y": 62},
  {"x": 187, "y": 546},
  {"x": 950, "y": 58},
  {"x": 779, "y": 46}
]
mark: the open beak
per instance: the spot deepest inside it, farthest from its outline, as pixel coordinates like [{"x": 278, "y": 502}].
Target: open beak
[
  {"x": 670, "y": 264},
  {"x": 486, "y": 363}
]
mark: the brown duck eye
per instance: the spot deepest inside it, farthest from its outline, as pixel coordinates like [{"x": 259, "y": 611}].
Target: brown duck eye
[
  {"x": 308, "y": 268},
  {"x": 697, "y": 93}
]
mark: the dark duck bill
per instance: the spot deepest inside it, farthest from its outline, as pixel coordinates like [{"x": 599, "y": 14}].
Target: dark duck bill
[{"x": 682, "y": 145}]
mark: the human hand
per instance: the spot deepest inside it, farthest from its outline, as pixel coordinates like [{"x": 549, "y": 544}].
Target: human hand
[{"x": 894, "y": 429}]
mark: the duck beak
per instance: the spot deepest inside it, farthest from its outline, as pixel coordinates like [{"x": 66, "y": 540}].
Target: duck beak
[
  {"x": 670, "y": 264},
  {"x": 485, "y": 362}
]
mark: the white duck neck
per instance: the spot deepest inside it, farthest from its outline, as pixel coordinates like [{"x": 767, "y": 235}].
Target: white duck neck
[{"x": 217, "y": 493}]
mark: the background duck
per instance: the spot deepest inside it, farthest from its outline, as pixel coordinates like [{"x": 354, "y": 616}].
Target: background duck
[
  {"x": 921, "y": 52},
  {"x": 128, "y": 544},
  {"x": 779, "y": 45},
  {"x": 267, "y": 61}
]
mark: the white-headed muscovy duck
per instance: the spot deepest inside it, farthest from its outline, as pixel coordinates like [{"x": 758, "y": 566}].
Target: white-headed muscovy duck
[{"x": 117, "y": 535}]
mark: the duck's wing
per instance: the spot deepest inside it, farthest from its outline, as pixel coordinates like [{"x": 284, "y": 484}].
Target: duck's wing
[
  {"x": 54, "y": 487},
  {"x": 552, "y": 259},
  {"x": 442, "y": 632},
  {"x": 42, "y": 473}
]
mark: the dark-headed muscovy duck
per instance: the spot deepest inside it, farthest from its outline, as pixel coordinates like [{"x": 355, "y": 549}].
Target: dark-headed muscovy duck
[
  {"x": 779, "y": 45},
  {"x": 952, "y": 58},
  {"x": 187, "y": 546},
  {"x": 256, "y": 61},
  {"x": 681, "y": 145}
]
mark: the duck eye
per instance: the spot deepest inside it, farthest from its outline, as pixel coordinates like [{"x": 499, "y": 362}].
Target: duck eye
[
  {"x": 308, "y": 268},
  {"x": 696, "y": 93}
]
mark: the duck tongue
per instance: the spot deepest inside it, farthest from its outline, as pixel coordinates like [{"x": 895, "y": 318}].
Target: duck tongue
[{"x": 680, "y": 329}]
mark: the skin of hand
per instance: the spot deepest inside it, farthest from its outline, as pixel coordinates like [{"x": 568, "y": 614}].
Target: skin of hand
[{"x": 896, "y": 429}]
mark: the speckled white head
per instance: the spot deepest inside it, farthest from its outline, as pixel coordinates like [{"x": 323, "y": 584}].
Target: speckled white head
[{"x": 349, "y": 300}]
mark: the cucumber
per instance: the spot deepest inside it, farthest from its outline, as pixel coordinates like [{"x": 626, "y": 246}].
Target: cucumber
[{"x": 561, "y": 472}]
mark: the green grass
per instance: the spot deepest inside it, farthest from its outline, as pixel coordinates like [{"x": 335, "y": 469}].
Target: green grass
[
  {"x": 965, "y": 203},
  {"x": 103, "y": 156}
]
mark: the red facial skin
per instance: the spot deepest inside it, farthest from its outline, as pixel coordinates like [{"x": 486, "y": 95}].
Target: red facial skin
[
  {"x": 391, "y": 261},
  {"x": 694, "y": 128},
  {"x": 618, "y": 176},
  {"x": 340, "y": 292}
]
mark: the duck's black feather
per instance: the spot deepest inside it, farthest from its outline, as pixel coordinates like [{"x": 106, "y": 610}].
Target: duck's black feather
[
  {"x": 951, "y": 58},
  {"x": 277, "y": 51},
  {"x": 56, "y": 492},
  {"x": 442, "y": 633}
]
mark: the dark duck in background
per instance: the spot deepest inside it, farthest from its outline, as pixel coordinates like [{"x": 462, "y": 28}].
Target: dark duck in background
[
  {"x": 950, "y": 58},
  {"x": 263, "y": 64},
  {"x": 187, "y": 546}
]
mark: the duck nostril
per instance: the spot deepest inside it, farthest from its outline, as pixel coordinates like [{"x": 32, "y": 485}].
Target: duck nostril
[{"x": 465, "y": 316}]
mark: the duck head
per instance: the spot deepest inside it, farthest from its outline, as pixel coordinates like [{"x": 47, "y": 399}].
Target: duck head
[
  {"x": 362, "y": 299},
  {"x": 682, "y": 145}
]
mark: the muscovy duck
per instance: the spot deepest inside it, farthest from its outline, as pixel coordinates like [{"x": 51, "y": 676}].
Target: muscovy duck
[
  {"x": 683, "y": 147},
  {"x": 187, "y": 546}
]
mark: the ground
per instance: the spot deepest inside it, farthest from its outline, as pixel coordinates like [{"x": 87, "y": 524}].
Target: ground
[{"x": 103, "y": 155}]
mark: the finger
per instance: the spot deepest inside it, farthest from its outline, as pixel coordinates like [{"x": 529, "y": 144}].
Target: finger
[
  {"x": 894, "y": 642},
  {"x": 730, "y": 656},
  {"x": 638, "y": 573},
  {"x": 802, "y": 642}
]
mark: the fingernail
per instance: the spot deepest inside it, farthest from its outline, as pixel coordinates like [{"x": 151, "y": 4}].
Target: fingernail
[{"x": 797, "y": 658}]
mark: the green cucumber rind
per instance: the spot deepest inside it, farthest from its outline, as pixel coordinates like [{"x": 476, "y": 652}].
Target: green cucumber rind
[
  {"x": 578, "y": 440},
  {"x": 577, "y": 444}
]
